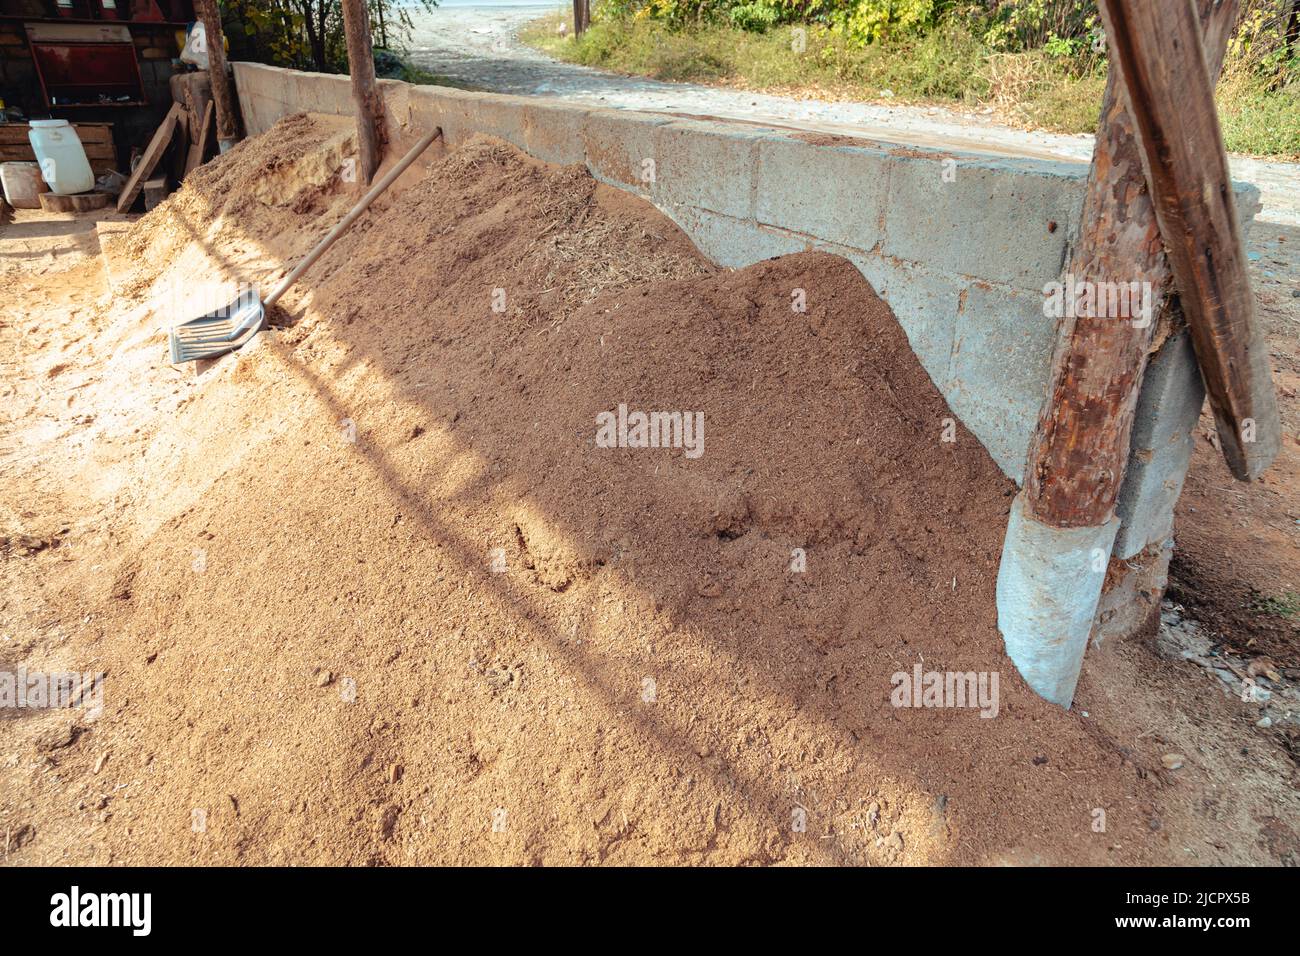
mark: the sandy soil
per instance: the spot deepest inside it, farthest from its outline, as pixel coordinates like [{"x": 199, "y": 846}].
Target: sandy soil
[
  {"x": 367, "y": 592},
  {"x": 1237, "y": 567}
]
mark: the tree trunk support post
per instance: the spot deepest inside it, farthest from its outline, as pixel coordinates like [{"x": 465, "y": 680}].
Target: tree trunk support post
[
  {"x": 361, "y": 66},
  {"x": 223, "y": 101},
  {"x": 1159, "y": 55},
  {"x": 1063, "y": 524}
]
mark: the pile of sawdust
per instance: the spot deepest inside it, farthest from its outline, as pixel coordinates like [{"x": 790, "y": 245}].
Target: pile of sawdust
[
  {"x": 278, "y": 193},
  {"x": 373, "y": 594}
]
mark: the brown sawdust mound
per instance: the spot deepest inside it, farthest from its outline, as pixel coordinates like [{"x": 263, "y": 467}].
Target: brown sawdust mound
[{"x": 314, "y": 520}]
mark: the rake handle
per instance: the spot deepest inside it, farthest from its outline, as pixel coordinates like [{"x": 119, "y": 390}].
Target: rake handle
[{"x": 352, "y": 216}]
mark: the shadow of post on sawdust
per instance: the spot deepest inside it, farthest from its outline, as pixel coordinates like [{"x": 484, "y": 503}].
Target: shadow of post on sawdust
[{"x": 792, "y": 693}]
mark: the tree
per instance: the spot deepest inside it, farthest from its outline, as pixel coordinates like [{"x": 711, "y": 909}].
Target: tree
[{"x": 308, "y": 34}]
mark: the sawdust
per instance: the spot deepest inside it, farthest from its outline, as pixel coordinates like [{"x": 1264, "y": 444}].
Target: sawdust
[{"x": 369, "y": 591}]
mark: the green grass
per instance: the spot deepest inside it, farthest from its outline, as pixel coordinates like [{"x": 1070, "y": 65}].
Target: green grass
[
  {"x": 1283, "y": 605},
  {"x": 949, "y": 67},
  {"x": 1257, "y": 120},
  {"x": 934, "y": 67}
]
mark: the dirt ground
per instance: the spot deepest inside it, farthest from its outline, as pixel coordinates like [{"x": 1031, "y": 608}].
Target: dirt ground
[{"x": 368, "y": 592}]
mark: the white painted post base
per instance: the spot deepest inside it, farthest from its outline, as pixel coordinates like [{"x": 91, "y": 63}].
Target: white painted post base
[{"x": 1049, "y": 583}]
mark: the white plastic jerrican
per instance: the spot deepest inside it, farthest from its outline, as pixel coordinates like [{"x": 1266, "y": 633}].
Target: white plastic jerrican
[{"x": 61, "y": 156}]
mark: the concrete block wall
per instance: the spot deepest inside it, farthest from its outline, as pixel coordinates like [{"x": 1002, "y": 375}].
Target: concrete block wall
[
  {"x": 1161, "y": 449},
  {"x": 960, "y": 244}
]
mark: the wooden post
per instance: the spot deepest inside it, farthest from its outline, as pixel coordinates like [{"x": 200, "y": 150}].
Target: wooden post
[
  {"x": 361, "y": 65},
  {"x": 581, "y": 17},
  {"x": 1080, "y": 449},
  {"x": 215, "y": 41},
  {"x": 1157, "y": 51}
]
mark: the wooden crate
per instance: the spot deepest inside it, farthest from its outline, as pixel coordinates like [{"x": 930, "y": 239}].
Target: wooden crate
[{"x": 96, "y": 139}]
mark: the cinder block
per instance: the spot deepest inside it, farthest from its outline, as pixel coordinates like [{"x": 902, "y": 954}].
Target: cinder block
[
  {"x": 837, "y": 193},
  {"x": 499, "y": 116},
  {"x": 1164, "y": 429},
  {"x": 424, "y": 107},
  {"x": 1249, "y": 205},
  {"x": 620, "y": 147},
  {"x": 319, "y": 93},
  {"x": 993, "y": 221},
  {"x": 707, "y": 165},
  {"x": 997, "y": 378},
  {"x": 734, "y": 243},
  {"x": 1132, "y": 593},
  {"x": 551, "y": 132},
  {"x": 926, "y": 304}
]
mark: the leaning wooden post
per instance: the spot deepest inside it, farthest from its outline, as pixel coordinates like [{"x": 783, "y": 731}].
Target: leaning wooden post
[
  {"x": 1063, "y": 525},
  {"x": 361, "y": 65},
  {"x": 1077, "y": 458},
  {"x": 1158, "y": 52},
  {"x": 222, "y": 98}
]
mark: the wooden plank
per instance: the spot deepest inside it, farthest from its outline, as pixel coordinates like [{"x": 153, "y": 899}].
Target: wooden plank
[
  {"x": 78, "y": 32},
  {"x": 1157, "y": 49},
  {"x": 13, "y": 134},
  {"x": 94, "y": 135},
  {"x": 181, "y": 151},
  {"x": 1080, "y": 449},
  {"x": 162, "y": 137},
  {"x": 25, "y": 154},
  {"x": 369, "y": 107},
  {"x": 199, "y": 146},
  {"x": 20, "y": 154}
]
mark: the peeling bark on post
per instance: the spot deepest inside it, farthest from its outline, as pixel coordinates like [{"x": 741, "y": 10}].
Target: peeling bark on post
[
  {"x": 1159, "y": 55},
  {"x": 1080, "y": 448},
  {"x": 222, "y": 98},
  {"x": 361, "y": 66}
]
